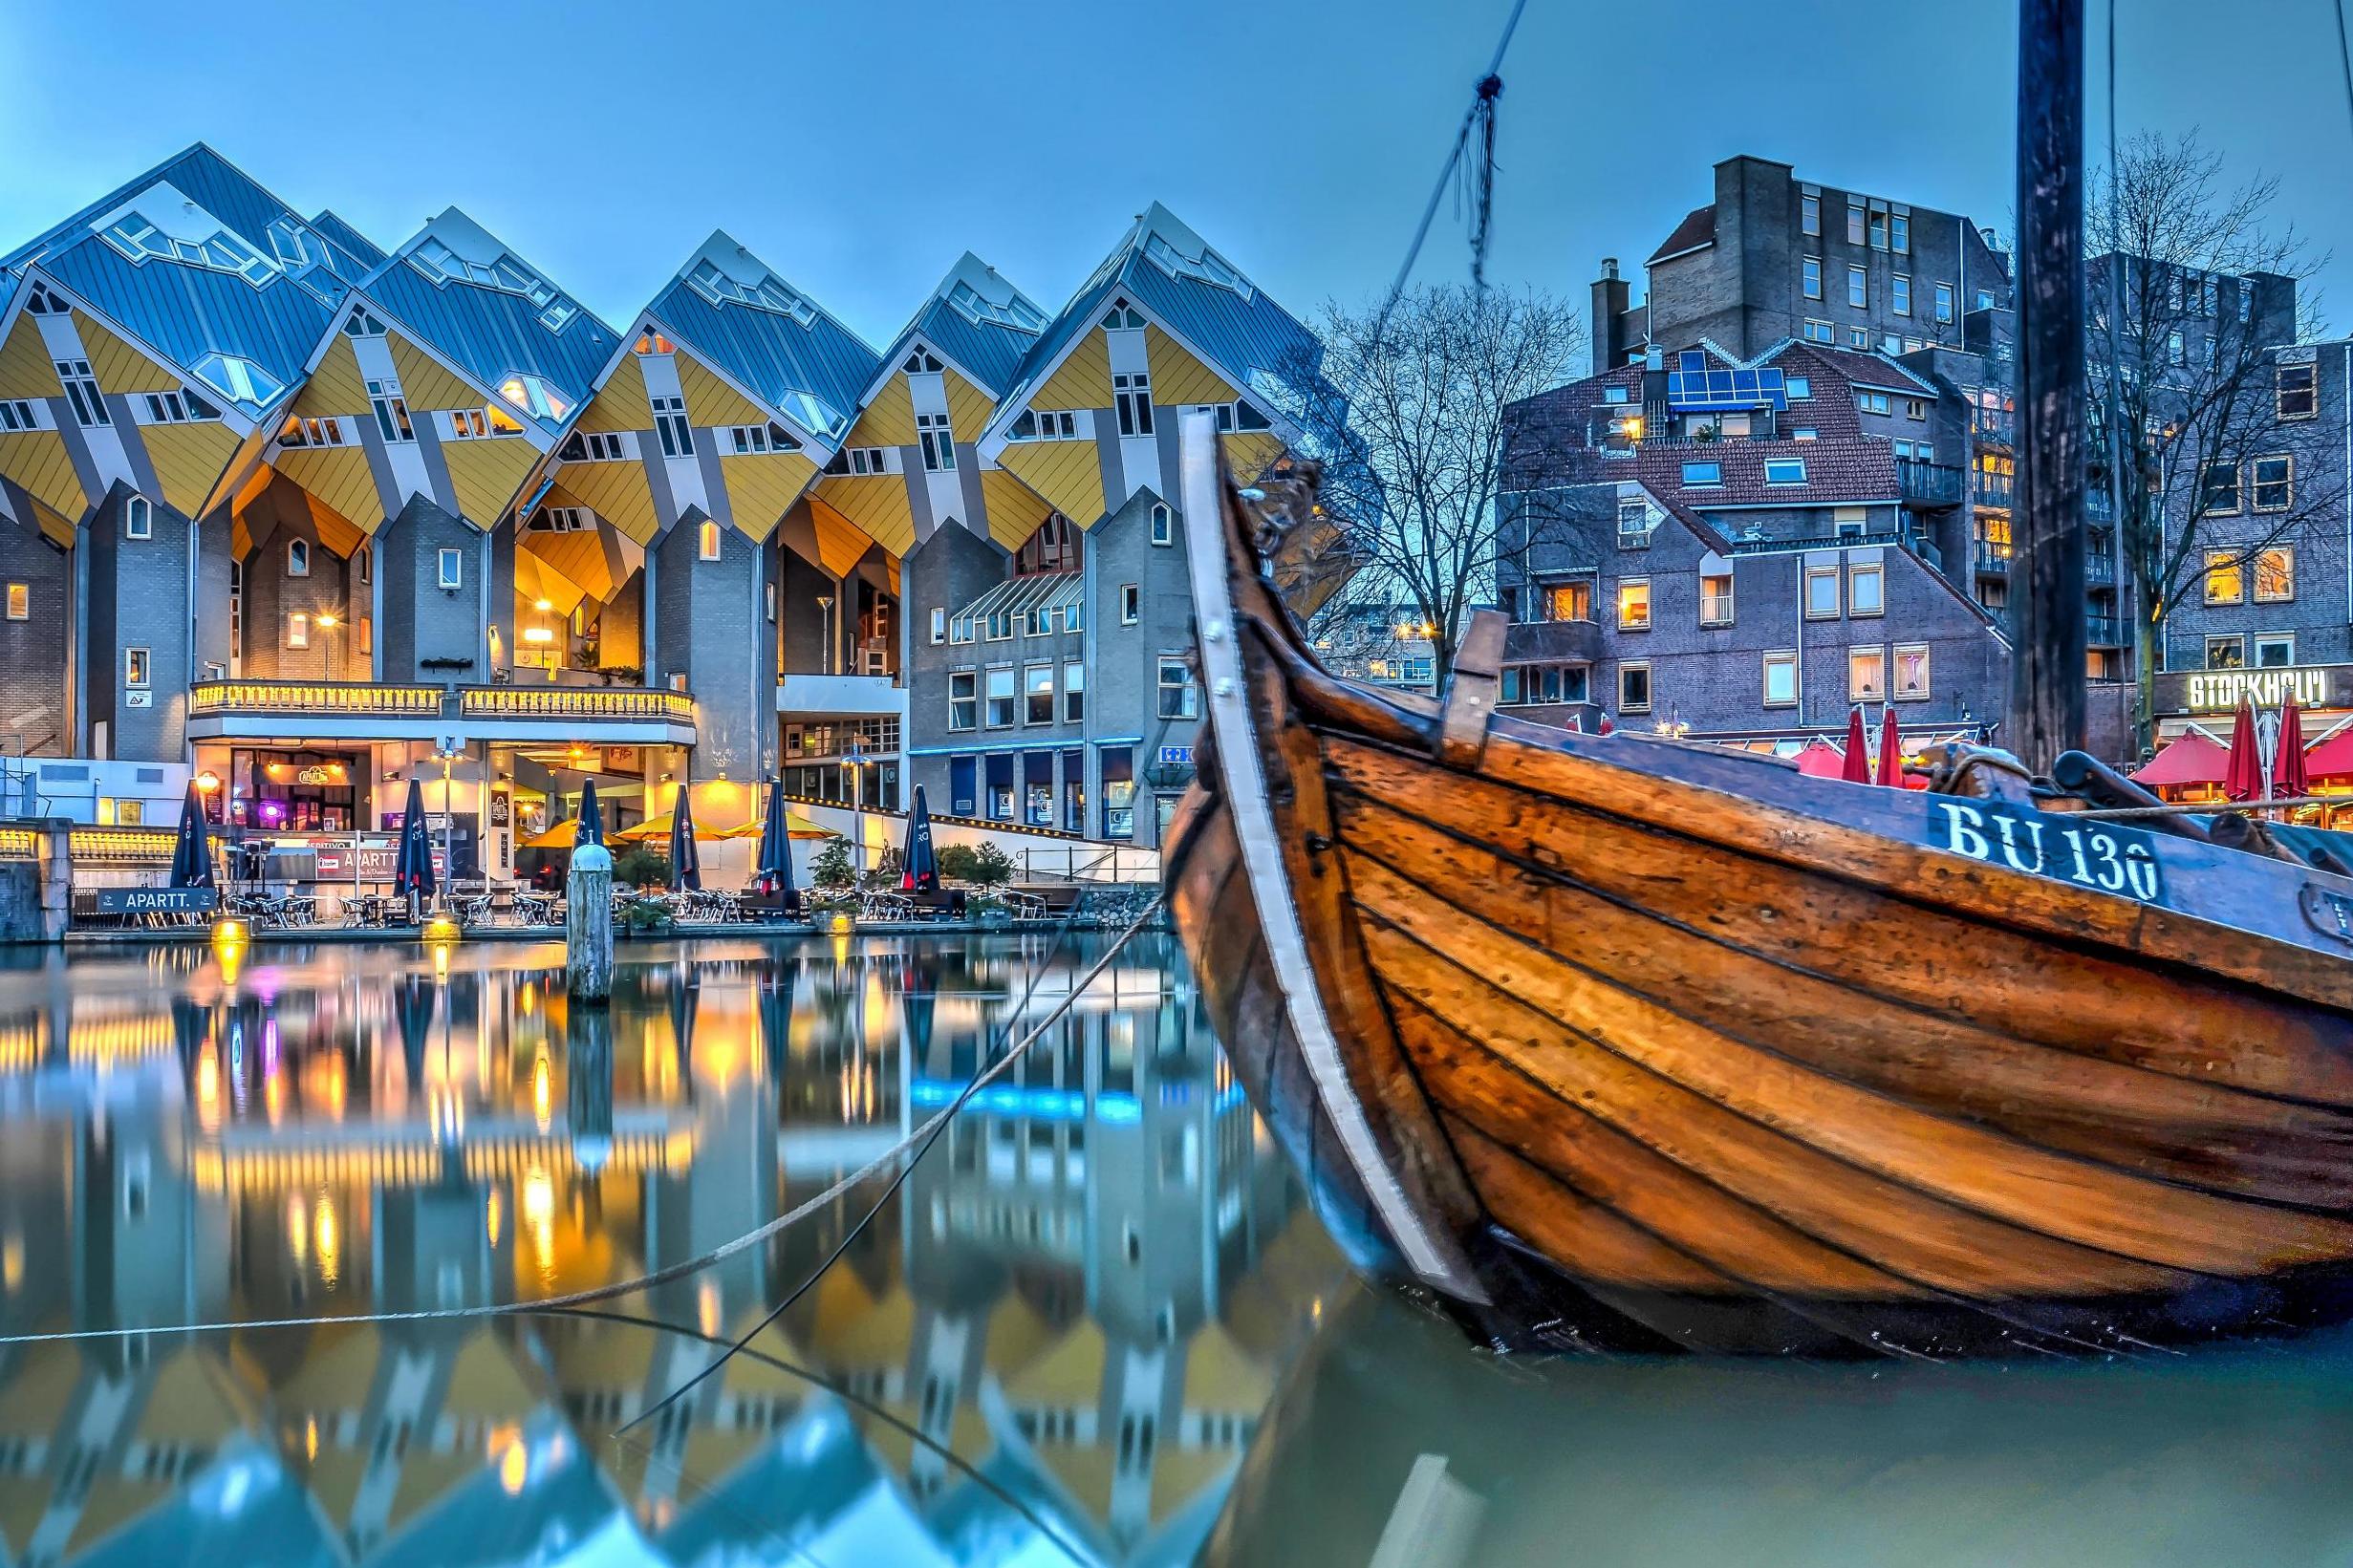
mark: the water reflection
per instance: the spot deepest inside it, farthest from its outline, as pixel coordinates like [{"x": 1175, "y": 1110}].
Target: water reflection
[{"x": 1055, "y": 1345}]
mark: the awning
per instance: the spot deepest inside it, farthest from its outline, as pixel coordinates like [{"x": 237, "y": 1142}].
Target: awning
[
  {"x": 2331, "y": 756},
  {"x": 2193, "y": 757}
]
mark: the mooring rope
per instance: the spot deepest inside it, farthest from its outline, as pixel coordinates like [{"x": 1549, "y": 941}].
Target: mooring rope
[
  {"x": 804, "y": 1210},
  {"x": 2206, "y": 808}
]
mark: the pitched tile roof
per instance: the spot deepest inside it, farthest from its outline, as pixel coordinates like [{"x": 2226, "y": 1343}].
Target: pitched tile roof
[{"x": 1698, "y": 228}]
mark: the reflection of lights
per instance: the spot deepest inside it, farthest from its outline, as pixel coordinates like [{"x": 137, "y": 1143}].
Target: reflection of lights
[
  {"x": 1039, "y": 1103},
  {"x": 326, "y": 1235},
  {"x": 492, "y": 1213},
  {"x": 441, "y": 963},
  {"x": 298, "y": 1228},
  {"x": 273, "y": 1097},
  {"x": 706, "y": 1307},
  {"x": 515, "y": 1465},
  {"x": 209, "y": 1088},
  {"x": 310, "y": 1438},
  {"x": 539, "y": 1212},
  {"x": 13, "y": 1261},
  {"x": 542, "y": 1095}
]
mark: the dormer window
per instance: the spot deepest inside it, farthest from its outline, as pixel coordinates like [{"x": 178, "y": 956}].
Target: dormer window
[
  {"x": 1208, "y": 266},
  {"x": 535, "y": 397},
  {"x": 362, "y": 324},
  {"x": 1122, "y": 317},
  {"x": 241, "y": 380},
  {"x": 768, "y": 295},
  {"x": 652, "y": 342},
  {"x": 922, "y": 362},
  {"x": 975, "y": 307},
  {"x": 41, "y": 302},
  {"x": 558, "y": 316},
  {"x": 437, "y": 261},
  {"x": 220, "y": 252},
  {"x": 297, "y": 250}
]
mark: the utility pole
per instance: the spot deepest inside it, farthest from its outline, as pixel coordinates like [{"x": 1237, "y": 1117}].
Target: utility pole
[{"x": 2047, "y": 704}]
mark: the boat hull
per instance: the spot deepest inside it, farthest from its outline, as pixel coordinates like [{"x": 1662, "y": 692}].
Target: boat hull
[{"x": 1673, "y": 1046}]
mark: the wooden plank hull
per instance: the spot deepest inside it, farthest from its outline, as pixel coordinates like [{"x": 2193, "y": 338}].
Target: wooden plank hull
[{"x": 1679, "y": 1047}]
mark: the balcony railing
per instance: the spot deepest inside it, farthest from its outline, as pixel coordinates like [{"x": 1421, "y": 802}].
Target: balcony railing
[
  {"x": 1993, "y": 558},
  {"x": 334, "y": 697},
  {"x": 1936, "y": 482},
  {"x": 2099, "y": 569},
  {"x": 2104, "y": 631},
  {"x": 365, "y": 700},
  {"x": 586, "y": 703},
  {"x": 1992, "y": 489},
  {"x": 1994, "y": 428}
]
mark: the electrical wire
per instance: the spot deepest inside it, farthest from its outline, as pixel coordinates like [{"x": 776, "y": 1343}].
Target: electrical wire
[{"x": 938, "y": 1126}]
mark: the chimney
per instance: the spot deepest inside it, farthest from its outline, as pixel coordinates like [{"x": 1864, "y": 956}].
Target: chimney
[{"x": 1611, "y": 297}]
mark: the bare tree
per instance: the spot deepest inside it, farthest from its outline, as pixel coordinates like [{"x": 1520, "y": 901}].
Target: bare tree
[
  {"x": 1407, "y": 410},
  {"x": 2188, "y": 292}
]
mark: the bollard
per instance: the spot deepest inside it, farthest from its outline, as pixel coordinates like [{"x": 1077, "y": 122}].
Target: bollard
[{"x": 588, "y": 924}]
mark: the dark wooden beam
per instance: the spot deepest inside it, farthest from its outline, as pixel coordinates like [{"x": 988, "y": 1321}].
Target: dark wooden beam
[{"x": 2047, "y": 526}]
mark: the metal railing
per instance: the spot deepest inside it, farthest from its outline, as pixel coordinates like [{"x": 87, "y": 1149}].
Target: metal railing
[
  {"x": 332, "y": 697},
  {"x": 589, "y": 702},
  {"x": 2104, "y": 631},
  {"x": 1091, "y": 863},
  {"x": 1934, "y": 481},
  {"x": 1993, "y": 558}
]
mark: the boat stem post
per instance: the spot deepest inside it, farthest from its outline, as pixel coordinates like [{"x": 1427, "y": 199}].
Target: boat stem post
[
  {"x": 588, "y": 924},
  {"x": 2047, "y": 703}
]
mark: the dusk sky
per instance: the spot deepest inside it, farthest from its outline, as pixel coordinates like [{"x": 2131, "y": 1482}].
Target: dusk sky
[{"x": 859, "y": 148}]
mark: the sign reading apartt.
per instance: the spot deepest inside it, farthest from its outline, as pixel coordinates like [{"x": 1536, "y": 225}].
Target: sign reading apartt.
[
  {"x": 157, "y": 900},
  {"x": 2094, "y": 855}
]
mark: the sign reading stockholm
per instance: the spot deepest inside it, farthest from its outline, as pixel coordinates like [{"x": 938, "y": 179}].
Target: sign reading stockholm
[{"x": 2220, "y": 691}]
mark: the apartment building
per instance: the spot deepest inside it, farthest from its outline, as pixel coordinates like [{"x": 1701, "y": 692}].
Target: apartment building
[{"x": 303, "y": 517}]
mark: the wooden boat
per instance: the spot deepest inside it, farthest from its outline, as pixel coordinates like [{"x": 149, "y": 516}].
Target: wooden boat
[{"x": 1646, "y": 1042}]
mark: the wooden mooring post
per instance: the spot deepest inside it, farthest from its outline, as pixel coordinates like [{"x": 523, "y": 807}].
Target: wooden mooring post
[{"x": 588, "y": 924}]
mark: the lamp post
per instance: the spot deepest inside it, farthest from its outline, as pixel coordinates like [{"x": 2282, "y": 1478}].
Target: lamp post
[
  {"x": 825, "y": 619},
  {"x": 328, "y": 623}
]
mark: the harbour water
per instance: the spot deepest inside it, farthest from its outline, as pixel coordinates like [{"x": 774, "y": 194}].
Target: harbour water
[{"x": 1095, "y": 1325}]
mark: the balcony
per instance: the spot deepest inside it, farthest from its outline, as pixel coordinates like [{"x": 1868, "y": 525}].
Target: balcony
[
  {"x": 1994, "y": 428},
  {"x": 1993, "y": 558},
  {"x": 1994, "y": 491},
  {"x": 2104, "y": 631},
  {"x": 2098, "y": 571},
  {"x": 815, "y": 694},
  {"x": 315, "y": 710},
  {"x": 1931, "y": 484},
  {"x": 1564, "y": 641}
]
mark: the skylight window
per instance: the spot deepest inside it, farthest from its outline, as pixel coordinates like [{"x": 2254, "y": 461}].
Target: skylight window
[
  {"x": 224, "y": 252},
  {"x": 1208, "y": 267},
  {"x": 297, "y": 250},
  {"x": 717, "y": 287},
  {"x": 812, "y": 412},
  {"x": 556, "y": 316},
  {"x": 437, "y": 261},
  {"x": 535, "y": 397},
  {"x": 239, "y": 380},
  {"x": 981, "y": 310}
]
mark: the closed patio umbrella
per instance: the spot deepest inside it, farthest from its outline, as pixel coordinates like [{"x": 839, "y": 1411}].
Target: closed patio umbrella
[
  {"x": 686, "y": 860},
  {"x": 192, "y": 853},
  {"x": 920, "y": 870},
  {"x": 591, "y": 829},
  {"x": 1891, "y": 769},
  {"x": 772, "y": 869},
  {"x": 412, "y": 866},
  {"x": 1858, "y": 753},
  {"x": 2289, "y": 779},
  {"x": 2242, "y": 777}
]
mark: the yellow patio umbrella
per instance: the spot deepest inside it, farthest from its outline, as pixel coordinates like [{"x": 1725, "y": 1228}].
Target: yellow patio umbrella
[
  {"x": 659, "y": 828},
  {"x": 558, "y": 837},
  {"x": 796, "y": 825}
]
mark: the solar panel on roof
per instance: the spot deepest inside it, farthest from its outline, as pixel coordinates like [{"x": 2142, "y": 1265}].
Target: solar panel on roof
[{"x": 1697, "y": 388}]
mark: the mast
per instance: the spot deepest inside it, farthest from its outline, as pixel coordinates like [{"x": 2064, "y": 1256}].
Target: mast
[{"x": 2046, "y": 526}]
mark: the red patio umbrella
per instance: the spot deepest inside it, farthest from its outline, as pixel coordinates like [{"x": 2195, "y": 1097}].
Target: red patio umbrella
[
  {"x": 1818, "y": 758},
  {"x": 1858, "y": 768},
  {"x": 2289, "y": 778},
  {"x": 2242, "y": 775},
  {"x": 2333, "y": 756},
  {"x": 1891, "y": 769},
  {"x": 2192, "y": 758}
]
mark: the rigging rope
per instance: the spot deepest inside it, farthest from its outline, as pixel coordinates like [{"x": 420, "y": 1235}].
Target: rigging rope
[
  {"x": 1478, "y": 125},
  {"x": 920, "y": 1136}
]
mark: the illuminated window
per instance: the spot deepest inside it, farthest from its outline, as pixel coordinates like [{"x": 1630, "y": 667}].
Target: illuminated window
[
  {"x": 707, "y": 541},
  {"x": 134, "y": 666},
  {"x": 20, "y": 601},
  {"x": 2275, "y": 574},
  {"x": 1912, "y": 671},
  {"x": 652, "y": 342},
  {"x": 1716, "y": 599},
  {"x": 2226, "y": 577},
  {"x": 1565, "y": 601},
  {"x": 2226, "y": 652},
  {"x": 1867, "y": 675},
  {"x": 298, "y": 630},
  {"x": 535, "y": 396},
  {"x": 1634, "y": 604}
]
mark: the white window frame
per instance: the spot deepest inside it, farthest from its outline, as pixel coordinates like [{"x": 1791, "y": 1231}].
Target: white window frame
[
  {"x": 1810, "y": 276},
  {"x": 1131, "y": 402},
  {"x": 1649, "y": 606},
  {"x": 708, "y": 545},
  {"x": 937, "y": 440},
  {"x": 19, "y": 601},
  {"x": 449, "y": 570},
  {"x": 1784, "y": 464},
  {"x": 137, "y": 668},
  {"x": 940, "y": 624},
  {"x": 1856, "y": 572},
  {"x": 1779, "y": 659},
  {"x": 1649, "y": 686},
  {"x": 1899, "y": 293},
  {"x": 1857, "y": 654},
  {"x": 391, "y": 406},
  {"x": 297, "y": 558},
  {"x": 1896, "y": 655},
  {"x": 1163, "y": 524},
  {"x": 298, "y": 628},
  {"x": 1724, "y": 604},
  {"x": 2256, "y": 654},
  {"x": 1858, "y": 287},
  {"x": 137, "y": 518},
  {"x": 1130, "y": 604}
]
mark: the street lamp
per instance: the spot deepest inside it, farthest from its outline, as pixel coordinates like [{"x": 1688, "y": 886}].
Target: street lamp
[
  {"x": 825, "y": 619},
  {"x": 327, "y": 623},
  {"x": 855, "y": 760}
]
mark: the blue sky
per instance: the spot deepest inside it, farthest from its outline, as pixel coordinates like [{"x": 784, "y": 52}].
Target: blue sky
[{"x": 861, "y": 147}]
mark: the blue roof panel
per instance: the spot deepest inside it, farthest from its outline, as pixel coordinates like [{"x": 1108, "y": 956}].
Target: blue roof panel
[
  {"x": 200, "y": 174},
  {"x": 352, "y": 244},
  {"x": 1238, "y": 336},
  {"x": 491, "y": 334},
  {"x": 991, "y": 352},
  {"x": 771, "y": 354},
  {"x": 186, "y": 312}
]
